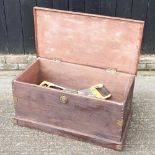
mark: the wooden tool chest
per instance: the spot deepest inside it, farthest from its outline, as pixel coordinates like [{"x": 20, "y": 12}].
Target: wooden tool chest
[{"x": 77, "y": 51}]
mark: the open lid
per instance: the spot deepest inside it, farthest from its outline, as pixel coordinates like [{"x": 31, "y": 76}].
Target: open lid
[{"x": 92, "y": 40}]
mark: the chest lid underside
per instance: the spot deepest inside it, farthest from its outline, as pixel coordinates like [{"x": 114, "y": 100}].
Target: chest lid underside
[{"x": 91, "y": 40}]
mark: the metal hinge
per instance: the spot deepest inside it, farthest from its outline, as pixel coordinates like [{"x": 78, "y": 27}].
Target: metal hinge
[
  {"x": 56, "y": 60},
  {"x": 111, "y": 70}
]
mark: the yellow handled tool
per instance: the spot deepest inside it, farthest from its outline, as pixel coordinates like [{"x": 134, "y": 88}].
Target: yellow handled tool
[
  {"x": 54, "y": 86},
  {"x": 100, "y": 91},
  {"x": 51, "y": 85}
]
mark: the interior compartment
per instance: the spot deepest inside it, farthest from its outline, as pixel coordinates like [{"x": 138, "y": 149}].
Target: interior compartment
[{"x": 77, "y": 77}]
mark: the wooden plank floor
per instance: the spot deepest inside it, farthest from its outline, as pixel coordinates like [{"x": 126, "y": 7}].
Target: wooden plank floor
[{"x": 19, "y": 140}]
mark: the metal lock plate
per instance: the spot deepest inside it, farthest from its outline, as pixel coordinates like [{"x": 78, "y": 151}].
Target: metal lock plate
[{"x": 63, "y": 99}]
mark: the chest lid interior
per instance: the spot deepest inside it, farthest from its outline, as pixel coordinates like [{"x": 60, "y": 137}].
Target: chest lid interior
[{"x": 92, "y": 40}]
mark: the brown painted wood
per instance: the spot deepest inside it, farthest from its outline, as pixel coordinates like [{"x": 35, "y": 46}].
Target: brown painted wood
[
  {"x": 79, "y": 114},
  {"x": 99, "y": 41},
  {"x": 127, "y": 110},
  {"x": 31, "y": 74},
  {"x": 70, "y": 134},
  {"x": 70, "y": 75},
  {"x": 102, "y": 122},
  {"x": 82, "y": 114}
]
